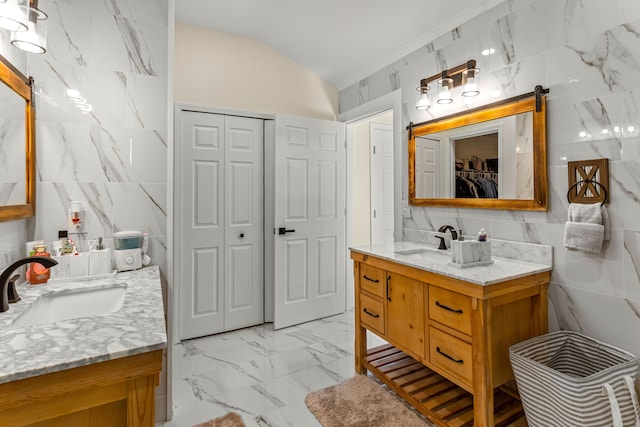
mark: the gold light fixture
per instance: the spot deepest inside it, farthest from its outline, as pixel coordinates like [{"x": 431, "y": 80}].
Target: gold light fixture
[
  {"x": 34, "y": 39},
  {"x": 462, "y": 75}
]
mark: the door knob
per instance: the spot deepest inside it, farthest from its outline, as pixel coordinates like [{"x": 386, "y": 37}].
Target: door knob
[{"x": 283, "y": 230}]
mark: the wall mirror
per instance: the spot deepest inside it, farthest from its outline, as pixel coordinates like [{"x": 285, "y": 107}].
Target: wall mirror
[
  {"x": 17, "y": 144},
  {"x": 491, "y": 157}
]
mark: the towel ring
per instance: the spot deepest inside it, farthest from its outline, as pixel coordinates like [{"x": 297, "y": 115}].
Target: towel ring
[{"x": 588, "y": 181}]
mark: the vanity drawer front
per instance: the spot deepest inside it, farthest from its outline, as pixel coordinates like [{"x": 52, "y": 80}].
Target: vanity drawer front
[
  {"x": 451, "y": 354},
  {"x": 372, "y": 279},
  {"x": 450, "y": 308},
  {"x": 372, "y": 313}
]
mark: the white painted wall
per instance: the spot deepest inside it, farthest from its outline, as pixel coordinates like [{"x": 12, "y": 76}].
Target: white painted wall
[{"x": 224, "y": 70}]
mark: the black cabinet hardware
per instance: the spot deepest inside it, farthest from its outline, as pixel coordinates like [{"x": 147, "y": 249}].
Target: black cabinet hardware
[
  {"x": 448, "y": 308},
  {"x": 449, "y": 357},
  {"x": 370, "y": 314}
]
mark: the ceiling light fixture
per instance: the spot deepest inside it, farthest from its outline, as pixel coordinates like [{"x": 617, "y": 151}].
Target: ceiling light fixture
[
  {"x": 462, "y": 75},
  {"x": 34, "y": 39}
]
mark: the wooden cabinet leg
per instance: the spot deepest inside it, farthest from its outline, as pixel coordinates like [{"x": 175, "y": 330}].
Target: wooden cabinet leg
[
  {"x": 360, "y": 349},
  {"x": 141, "y": 400},
  {"x": 482, "y": 383}
]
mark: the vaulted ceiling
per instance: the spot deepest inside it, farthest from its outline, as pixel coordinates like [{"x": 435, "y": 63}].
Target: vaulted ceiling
[{"x": 341, "y": 41}]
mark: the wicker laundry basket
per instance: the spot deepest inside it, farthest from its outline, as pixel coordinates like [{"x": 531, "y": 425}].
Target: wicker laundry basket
[{"x": 567, "y": 379}]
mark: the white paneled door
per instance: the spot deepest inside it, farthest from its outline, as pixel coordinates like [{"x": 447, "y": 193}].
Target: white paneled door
[
  {"x": 309, "y": 247},
  {"x": 220, "y": 223},
  {"x": 382, "y": 204},
  {"x": 427, "y": 168}
]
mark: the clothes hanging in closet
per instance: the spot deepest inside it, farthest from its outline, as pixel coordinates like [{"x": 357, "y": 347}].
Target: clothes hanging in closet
[{"x": 476, "y": 186}]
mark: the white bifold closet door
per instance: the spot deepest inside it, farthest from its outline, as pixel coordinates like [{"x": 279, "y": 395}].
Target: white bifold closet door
[{"x": 220, "y": 222}]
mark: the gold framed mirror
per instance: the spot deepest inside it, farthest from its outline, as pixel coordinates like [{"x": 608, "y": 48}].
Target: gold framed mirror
[
  {"x": 491, "y": 157},
  {"x": 17, "y": 144}
]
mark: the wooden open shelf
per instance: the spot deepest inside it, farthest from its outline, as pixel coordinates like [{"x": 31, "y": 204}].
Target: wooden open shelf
[{"x": 440, "y": 400}]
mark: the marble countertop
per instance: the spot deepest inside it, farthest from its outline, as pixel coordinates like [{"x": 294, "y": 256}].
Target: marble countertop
[
  {"x": 431, "y": 259},
  {"x": 137, "y": 327}
]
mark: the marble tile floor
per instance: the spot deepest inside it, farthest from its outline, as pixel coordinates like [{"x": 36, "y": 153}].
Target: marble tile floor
[{"x": 261, "y": 373}]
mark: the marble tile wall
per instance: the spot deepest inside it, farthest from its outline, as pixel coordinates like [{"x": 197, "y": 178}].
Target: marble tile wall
[
  {"x": 588, "y": 54},
  {"x": 112, "y": 155}
]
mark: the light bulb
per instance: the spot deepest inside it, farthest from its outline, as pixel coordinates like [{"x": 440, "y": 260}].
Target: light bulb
[
  {"x": 423, "y": 102},
  {"x": 470, "y": 88}
]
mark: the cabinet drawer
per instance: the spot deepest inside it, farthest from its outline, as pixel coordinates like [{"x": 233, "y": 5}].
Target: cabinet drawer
[
  {"x": 372, "y": 313},
  {"x": 451, "y": 354},
  {"x": 450, "y": 308},
  {"x": 372, "y": 279}
]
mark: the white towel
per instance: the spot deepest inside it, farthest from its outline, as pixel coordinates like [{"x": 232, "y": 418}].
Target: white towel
[{"x": 586, "y": 227}]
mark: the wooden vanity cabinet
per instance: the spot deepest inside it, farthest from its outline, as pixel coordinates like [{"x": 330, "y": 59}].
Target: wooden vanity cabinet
[
  {"x": 118, "y": 392},
  {"x": 448, "y": 352}
]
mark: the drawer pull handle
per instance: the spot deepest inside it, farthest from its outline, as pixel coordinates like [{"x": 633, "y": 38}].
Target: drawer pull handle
[
  {"x": 449, "y": 357},
  {"x": 370, "y": 279},
  {"x": 371, "y": 314},
  {"x": 448, "y": 308},
  {"x": 388, "y": 295}
]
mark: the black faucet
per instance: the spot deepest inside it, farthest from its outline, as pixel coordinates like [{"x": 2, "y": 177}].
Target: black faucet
[
  {"x": 8, "y": 292},
  {"x": 443, "y": 229}
]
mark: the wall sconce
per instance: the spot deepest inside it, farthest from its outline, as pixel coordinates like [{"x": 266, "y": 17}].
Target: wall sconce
[
  {"x": 462, "y": 75},
  {"x": 423, "y": 101},
  {"x": 446, "y": 83},
  {"x": 33, "y": 38},
  {"x": 14, "y": 15}
]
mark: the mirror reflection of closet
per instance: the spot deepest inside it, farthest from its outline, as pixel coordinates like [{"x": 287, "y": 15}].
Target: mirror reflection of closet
[
  {"x": 17, "y": 144},
  {"x": 489, "y": 157}
]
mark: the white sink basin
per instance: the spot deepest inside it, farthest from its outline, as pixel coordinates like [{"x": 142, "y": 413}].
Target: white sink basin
[
  {"x": 73, "y": 303},
  {"x": 419, "y": 251}
]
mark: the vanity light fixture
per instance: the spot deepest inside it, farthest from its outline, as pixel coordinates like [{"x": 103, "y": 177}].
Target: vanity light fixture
[
  {"x": 14, "y": 15},
  {"x": 34, "y": 39},
  {"x": 462, "y": 75},
  {"x": 423, "y": 101},
  {"x": 446, "y": 83}
]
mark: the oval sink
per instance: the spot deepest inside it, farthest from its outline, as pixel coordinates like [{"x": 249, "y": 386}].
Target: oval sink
[
  {"x": 419, "y": 251},
  {"x": 73, "y": 303}
]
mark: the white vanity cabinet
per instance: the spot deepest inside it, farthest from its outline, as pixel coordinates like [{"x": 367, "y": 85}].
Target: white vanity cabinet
[{"x": 448, "y": 351}]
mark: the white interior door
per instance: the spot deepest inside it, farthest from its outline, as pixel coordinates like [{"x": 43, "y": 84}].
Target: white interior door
[
  {"x": 381, "y": 145},
  {"x": 220, "y": 229},
  {"x": 244, "y": 261},
  {"x": 427, "y": 168},
  {"x": 310, "y": 209}
]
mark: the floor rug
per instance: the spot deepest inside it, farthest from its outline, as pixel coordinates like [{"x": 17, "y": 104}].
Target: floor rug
[
  {"x": 360, "y": 401},
  {"x": 232, "y": 419}
]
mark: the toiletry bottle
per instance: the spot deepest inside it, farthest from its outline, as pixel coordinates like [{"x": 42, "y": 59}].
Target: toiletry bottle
[
  {"x": 482, "y": 235},
  {"x": 38, "y": 273}
]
